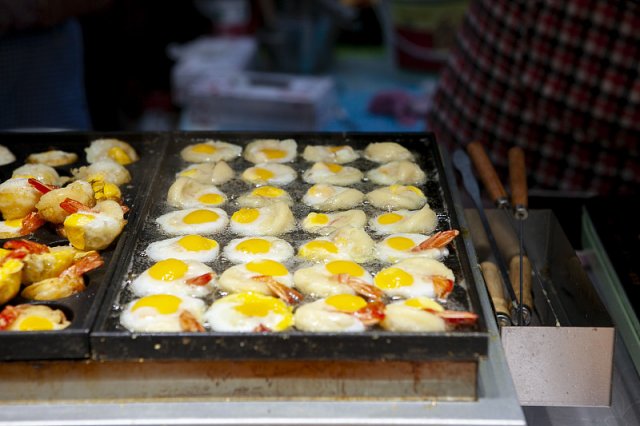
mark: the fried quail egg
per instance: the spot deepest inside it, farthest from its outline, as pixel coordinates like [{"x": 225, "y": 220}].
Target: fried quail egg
[
  {"x": 424, "y": 220},
  {"x": 186, "y": 193},
  {"x": 210, "y": 151},
  {"x": 10, "y": 228},
  {"x": 252, "y": 277},
  {"x": 397, "y": 172},
  {"x": 161, "y": 312},
  {"x": 53, "y": 158},
  {"x": 6, "y": 156},
  {"x": 384, "y": 152},
  {"x": 106, "y": 170},
  {"x": 396, "y": 197},
  {"x": 187, "y": 247},
  {"x": 415, "y": 277},
  {"x": 333, "y": 174},
  {"x": 269, "y": 174},
  {"x": 417, "y": 314},
  {"x": 194, "y": 221},
  {"x": 41, "y": 172},
  {"x": 249, "y": 312},
  {"x": 263, "y": 196},
  {"x": 324, "y": 280},
  {"x": 209, "y": 173},
  {"x": 38, "y": 318},
  {"x": 331, "y": 154},
  {"x": 345, "y": 243},
  {"x": 17, "y": 198},
  {"x": 248, "y": 249},
  {"x": 330, "y": 197},
  {"x": 271, "y": 151},
  {"x": 340, "y": 313},
  {"x": 326, "y": 223},
  {"x": 111, "y": 149},
  {"x": 274, "y": 219},
  {"x": 174, "y": 276},
  {"x": 397, "y": 247}
]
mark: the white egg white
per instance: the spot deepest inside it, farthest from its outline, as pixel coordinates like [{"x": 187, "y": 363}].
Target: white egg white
[
  {"x": 332, "y": 154},
  {"x": 269, "y": 174},
  {"x": 151, "y": 319},
  {"x": 145, "y": 284}
]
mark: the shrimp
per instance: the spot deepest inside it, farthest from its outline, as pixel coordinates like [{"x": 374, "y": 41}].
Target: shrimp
[
  {"x": 423, "y": 314},
  {"x": 437, "y": 240},
  {"x": 49, "y": 206},
  {"x": 363, "y": 288},
  {"x": 18, "y": 198},
  {"x": 19, "y": 227},
  {"x": 188, "y": 322},
  {"x": 93, "y": 228},
  {"x": 280, "y": 290},
  {"x": 69, "y": 282}
]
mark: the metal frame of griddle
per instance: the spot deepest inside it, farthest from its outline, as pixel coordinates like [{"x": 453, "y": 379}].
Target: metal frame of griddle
[{"x": 496, "y": 404}]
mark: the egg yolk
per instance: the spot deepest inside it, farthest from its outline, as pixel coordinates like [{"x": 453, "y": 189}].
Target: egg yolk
[
  {"x": 204, "y": 148},
  {"x": 318, "y": 218},
  {"x": 268, "y": 191},
  {"x": 119, "y": 155},
  {"x": 273, "y": 154},
  {"x": 189, "y": 173},
  {"x": 424, "y": 303},
  {"x": 245, "y": 215},
  {"x": 200, "y": 216},
  {"x": 333, "y": 168},
  {"x": 320, "y": 191},
  {"x": 258, "y": 305},
  {"x": 346, "y": 302},
  {"x": 196, "y": 243},
  {"x": 263, "y": 174},
  {"x": 165, "y": 304},
  {"x": 335, "y": 149},
  {"x": 414, "y": 189},
  {"x": 168, "y": 270},
  {"x": 13, "y": 223},
  {"x": 318, "y": 245},
  {"x": 389, "y": 218},
  {"x": 74, "y": 226},
  {"x": 211, "y": 199},
  {"x": 400, "y": 243},
  {"x": 35, "y": 323},
  {"x": 254, "y": 246},
  {"x": 345, "y": 267},
  {"x": 391, "y": 278},
  {"x": 267, "y": 267}
]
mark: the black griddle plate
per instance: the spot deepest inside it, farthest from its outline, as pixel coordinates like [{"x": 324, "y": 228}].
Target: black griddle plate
[
  {"x": 81, "y": 308},
  {"x": 110, "y": 340}
]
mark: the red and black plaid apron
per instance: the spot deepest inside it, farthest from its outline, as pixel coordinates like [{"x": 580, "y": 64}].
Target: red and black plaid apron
[{"x": 559, "y": 78}]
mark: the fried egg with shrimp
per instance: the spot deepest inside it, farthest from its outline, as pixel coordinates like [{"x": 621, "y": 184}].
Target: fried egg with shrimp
[
  {"x": 417, "y": 314},
  {"x": 248, "y": 249},
  {"x": 415, "y": 277},
  {"x": 384, "y": 152},
  {"x": 17, "y": 198},
  {"x": 249, "y": 312},
  {"x": 330, "y": 278},
  {"x": 269, "y": 174},
  {"x": 401, "y": 246},
  {"x": 106, "y": 170},
  {"x": 11, "y": 228},
  {"x": 263, "y": 196},
  {"x": 52, "y": 158},
  {"x": 41, "y": 172},
  {"x": 330, "y": 197},
  {"x": 397, "y": 173},
  {"x": 209, "y": 173},
  {"x": 326, "y": 223},
  {"x": 173, "y": 276},
  {"x": 254, "y": 277},
  {"x": 274, "y": 219},
  {"x": 339, "y": 154},
  {"x": 340, "y": 313},
  {"x": 111, "y": 149},
  {"x": 193, "y": 221},
  {"x": 35, "y": 318},
  {"x": 424, "y": 220},
  {"x": 271, "y": 151},
  {"x": 210, "y": 151},
  {"x": 163, "y": 312},
  {"x": 333, "y": 174},
  {"x": 187, "y": 247},
  {"x": 396, "y": 197},
  {"x": 186, "y": 193},
  {"x": 345, "y": 243}
]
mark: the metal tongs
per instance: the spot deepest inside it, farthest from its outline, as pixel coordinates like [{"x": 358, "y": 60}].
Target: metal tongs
[{"x": 519, "y": 270}]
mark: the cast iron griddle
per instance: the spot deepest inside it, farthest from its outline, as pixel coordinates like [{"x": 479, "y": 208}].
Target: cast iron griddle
[
  {"x": 109, "y": 340},
  {"x": 81, "y": 308}
]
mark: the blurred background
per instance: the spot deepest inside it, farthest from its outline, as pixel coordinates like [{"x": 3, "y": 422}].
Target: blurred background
[{"x": 313, "y": 65}]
